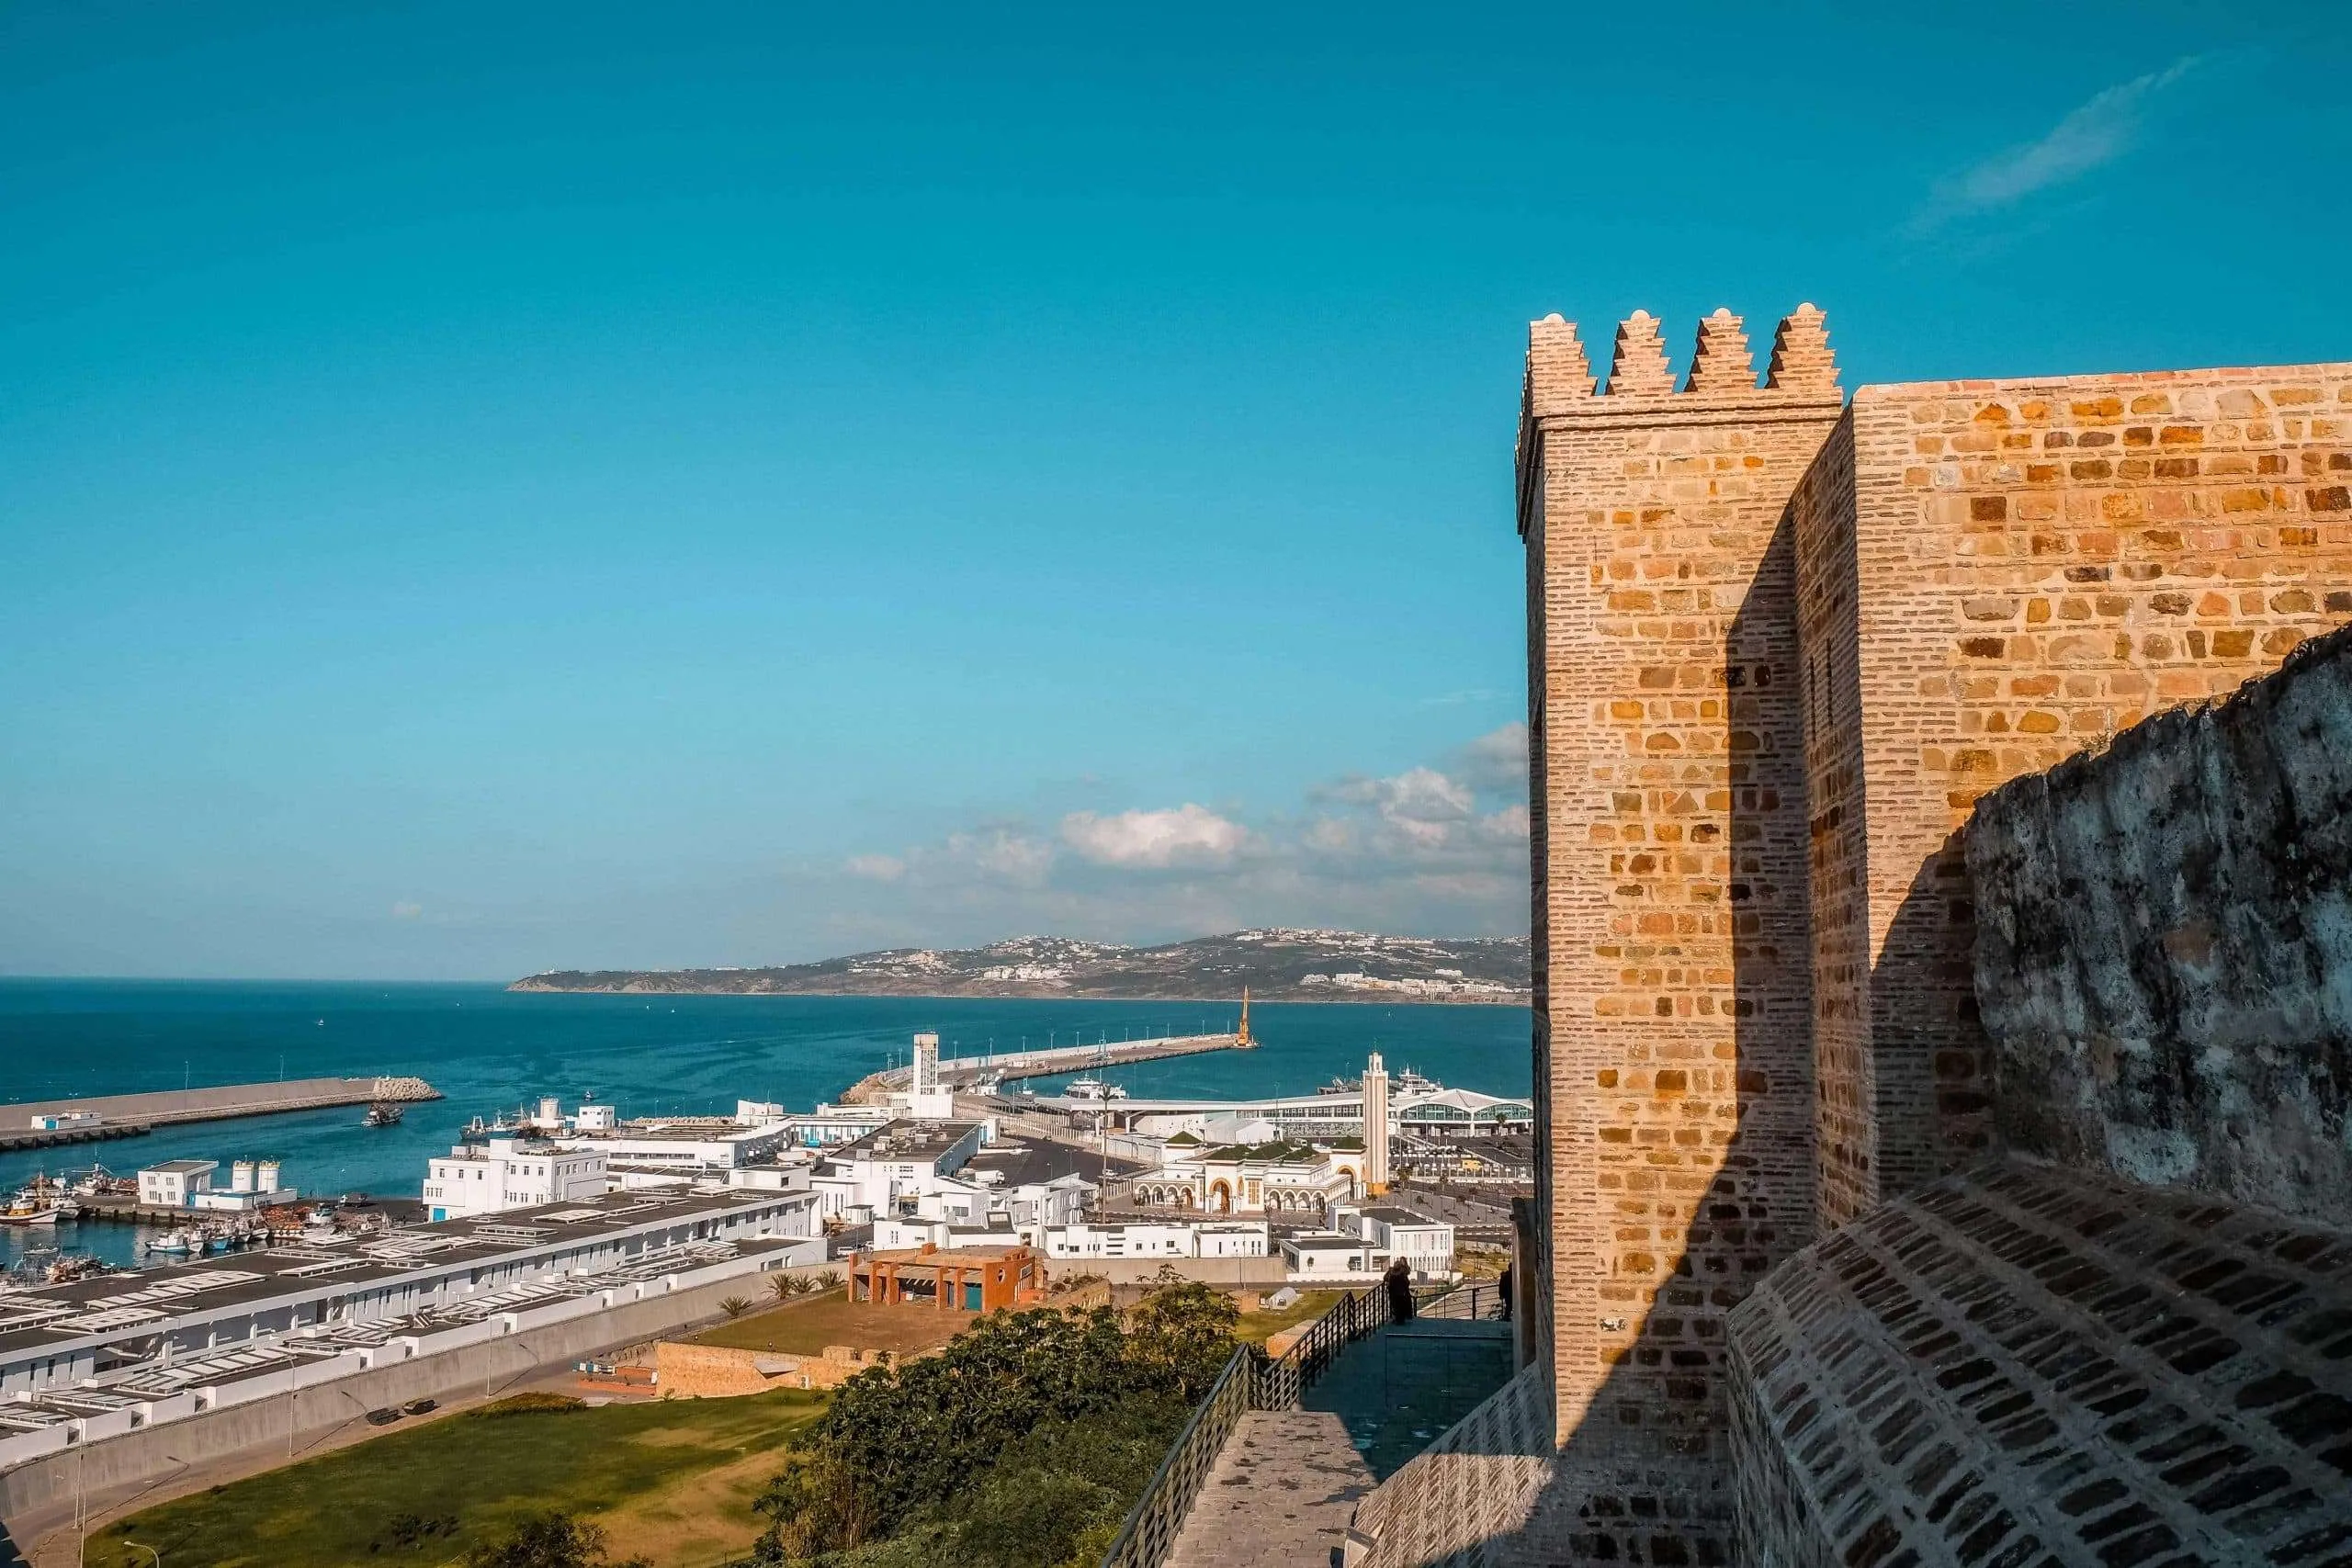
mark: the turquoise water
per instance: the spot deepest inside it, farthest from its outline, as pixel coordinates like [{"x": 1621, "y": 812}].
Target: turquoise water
[{"x": 486, "y": 1048}]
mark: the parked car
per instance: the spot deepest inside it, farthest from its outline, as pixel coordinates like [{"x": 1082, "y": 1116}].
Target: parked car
[
  {"x": 383, "y": 1418},
  {"x": 418, "y": 1407}
]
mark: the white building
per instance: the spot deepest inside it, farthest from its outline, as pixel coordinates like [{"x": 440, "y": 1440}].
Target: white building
[
  {"x": 1388, "y": 1232},
  {"x": 252, "y": 1184},
  {"x": 926, "y": 1100},
  {"x": 1329, "y": 1255},
  {"x": 889, "y": 1170},
  {"x": 64, "y": 1120},
  {"x": 1205, "y": 1239},
  {"x": 504, "y": 1174},
  {"x": 175, "y": 1183}
]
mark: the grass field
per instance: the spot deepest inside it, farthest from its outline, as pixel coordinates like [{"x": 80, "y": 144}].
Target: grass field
[
  {"x": 805, "y": 1327},
  {"x": 1257, "y": 1327},
  {"x": 672, "y": 1479}
]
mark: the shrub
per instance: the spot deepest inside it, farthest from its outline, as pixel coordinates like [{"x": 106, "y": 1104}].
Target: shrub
[
  {"x": 735, "y": 1306},
  {"x": 1024, "y": 1439},
  {"x": 535, "y": 1403},
  {"x": 550, "y": 1540}
]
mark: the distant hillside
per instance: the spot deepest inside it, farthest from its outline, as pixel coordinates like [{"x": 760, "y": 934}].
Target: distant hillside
[{"x": 1279, "y": 965}]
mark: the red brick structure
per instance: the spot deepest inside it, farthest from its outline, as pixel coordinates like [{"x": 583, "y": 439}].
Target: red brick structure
[
  {"x": 1778, "y": 646},
  {"x": 961, "y": 1279}
]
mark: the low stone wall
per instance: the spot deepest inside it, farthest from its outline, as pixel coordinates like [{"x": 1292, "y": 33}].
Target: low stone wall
[
  {"x": 719, "y": 1371},
  {"x": 2029, "y": 1365},
  {"x": 2163, "y": 953}
]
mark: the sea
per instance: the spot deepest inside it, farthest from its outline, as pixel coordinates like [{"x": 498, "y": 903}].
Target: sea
[{"x": 488, "y": 1049}]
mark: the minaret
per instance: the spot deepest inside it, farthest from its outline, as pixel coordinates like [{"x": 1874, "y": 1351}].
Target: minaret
[{"x": 1376, "y": 1127}]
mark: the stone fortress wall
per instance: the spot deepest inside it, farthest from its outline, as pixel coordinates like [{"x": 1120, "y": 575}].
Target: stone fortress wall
[
  {"x": 2074, "y": 1354},
  {"x": 1781, "y": 647}
]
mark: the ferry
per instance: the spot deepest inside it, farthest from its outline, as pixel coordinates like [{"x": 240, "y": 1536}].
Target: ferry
[{"x": 1093, "y": 1088}]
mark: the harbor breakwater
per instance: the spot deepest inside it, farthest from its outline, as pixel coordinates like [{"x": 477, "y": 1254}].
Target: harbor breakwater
[
  {"x": 126, "y": 1115},
  {"x": 1010, "y": 1066}
]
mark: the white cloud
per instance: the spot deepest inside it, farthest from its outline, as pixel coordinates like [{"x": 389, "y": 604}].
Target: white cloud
[
  {"x": 2093, "y": 135},
  {"x": 1006, "y": 854},
  {"x": 1440, "y": 846},
  {"x": 1496, "y": 760},
  {"x": 1188, "y": 835}
]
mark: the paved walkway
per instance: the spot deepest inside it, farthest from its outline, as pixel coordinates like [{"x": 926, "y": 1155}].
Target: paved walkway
[
  {"x": 1288, "y": 1482},
  {"x": 1281, "y": 1496}
]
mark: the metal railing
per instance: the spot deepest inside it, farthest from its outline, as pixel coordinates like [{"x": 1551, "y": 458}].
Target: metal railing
[
  {"x": 1252, "y": 1380},
  {"x": 1149, "y": 1534}
]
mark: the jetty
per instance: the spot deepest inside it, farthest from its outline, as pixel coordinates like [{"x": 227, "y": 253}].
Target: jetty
[
  {"x": 42, "y": 1123},
  {"x": 1045, "y": 1061}
]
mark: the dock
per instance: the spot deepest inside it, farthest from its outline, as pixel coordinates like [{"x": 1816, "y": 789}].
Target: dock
[
  {"x": 128, "y": 1115},
  {"x": 1011, "y": 1067}
]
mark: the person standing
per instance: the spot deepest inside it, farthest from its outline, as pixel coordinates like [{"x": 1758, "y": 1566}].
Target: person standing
[{"x": 1399, "y": 1280}]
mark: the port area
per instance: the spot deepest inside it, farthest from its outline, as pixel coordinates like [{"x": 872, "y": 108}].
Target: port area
[
  {"x": 1010, "y": 1066},
  {"x": 128, "y": 1115}
]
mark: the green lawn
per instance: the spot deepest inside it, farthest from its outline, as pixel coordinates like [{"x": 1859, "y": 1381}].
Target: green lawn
[
  {"x": 1257, "y": 1327},
  {"x": 672, "y": 1479}
]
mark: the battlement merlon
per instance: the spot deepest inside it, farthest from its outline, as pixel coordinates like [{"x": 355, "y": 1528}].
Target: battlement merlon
[{"x": 1559, "y": 392}]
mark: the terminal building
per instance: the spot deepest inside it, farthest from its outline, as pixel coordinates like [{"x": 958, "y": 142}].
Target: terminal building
[{"x": 105, "y": 1355}]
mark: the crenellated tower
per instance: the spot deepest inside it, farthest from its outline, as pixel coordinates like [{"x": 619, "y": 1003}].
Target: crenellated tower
[{"x": 1672, "y": 969}]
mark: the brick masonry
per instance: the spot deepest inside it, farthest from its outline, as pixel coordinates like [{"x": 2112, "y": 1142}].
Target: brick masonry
[
  {"x": 1778, "y": 648},
  {"x": 1673, "y": 1057},
  {"x": 1992, "y": 576}
]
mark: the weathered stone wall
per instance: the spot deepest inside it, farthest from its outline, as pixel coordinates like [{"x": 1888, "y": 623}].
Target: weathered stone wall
[
  {"x": 1674, "y": 1072},
  {"x": 1991, "y": 576},
  {"x": 2164, "y": 952},
  {"x": 708, "y": 1371}
]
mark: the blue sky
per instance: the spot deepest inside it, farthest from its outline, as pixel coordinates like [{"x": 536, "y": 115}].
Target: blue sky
[{"x": 489, "y": 488}]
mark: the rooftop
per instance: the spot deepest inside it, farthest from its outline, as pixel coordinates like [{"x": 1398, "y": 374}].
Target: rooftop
[
  {"x": 110, "y": 1304},
  {"x": 1389, "y": 1214},
  {"x": 908, "y": 1141},
  {"x": 181, "y": 1166}
]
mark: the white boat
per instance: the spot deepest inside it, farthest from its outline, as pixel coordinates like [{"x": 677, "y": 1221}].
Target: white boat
[
  {"x": 171, "y": 1243},
  {"x": 24, "y": 1211},
  {"x": 1093, "y": 1088}
]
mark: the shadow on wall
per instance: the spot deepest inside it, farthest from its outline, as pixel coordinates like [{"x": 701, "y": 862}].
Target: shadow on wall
[
  {"x": 1932, "y": 1062},
  {"x": 1725, "y": 1187}
]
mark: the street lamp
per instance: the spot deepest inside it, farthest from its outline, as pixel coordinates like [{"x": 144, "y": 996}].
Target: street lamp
[{"x": 147, "y": 1549}]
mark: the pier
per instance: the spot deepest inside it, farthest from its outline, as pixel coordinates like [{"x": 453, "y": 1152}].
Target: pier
[
  {"x": 128, "y": 1115},
  {"x": 1010, "y": 1066}
]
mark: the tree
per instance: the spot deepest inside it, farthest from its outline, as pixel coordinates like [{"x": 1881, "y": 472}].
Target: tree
[
  {"x": 735, "y": 1306},
  {"x": 1184, "y": 1330},
  {"x": 550, "y": 1540}
]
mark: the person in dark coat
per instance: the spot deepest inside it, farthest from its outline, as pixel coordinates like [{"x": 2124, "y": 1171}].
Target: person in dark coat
[
  {"x": 1399, "y": 1280},
  {"x": 1503, "y": 1285}
]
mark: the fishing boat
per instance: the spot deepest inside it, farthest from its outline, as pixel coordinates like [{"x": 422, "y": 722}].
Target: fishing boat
[
  {"x": 173, "y": 1244},
  {"x": 39, "y": 1204},
  {"x": 382, "y": 1114}
]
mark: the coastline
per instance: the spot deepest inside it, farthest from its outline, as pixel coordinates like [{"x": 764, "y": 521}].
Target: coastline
[{"x": 1318, "y": 997}]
